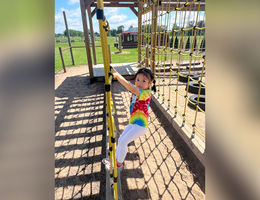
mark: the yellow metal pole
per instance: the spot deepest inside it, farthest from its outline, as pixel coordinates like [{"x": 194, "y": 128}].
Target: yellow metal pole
[{"x": 103, "y": 27}]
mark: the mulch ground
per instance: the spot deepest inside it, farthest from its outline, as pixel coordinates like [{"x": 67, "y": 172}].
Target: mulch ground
[{"x": 157, "y": 165}]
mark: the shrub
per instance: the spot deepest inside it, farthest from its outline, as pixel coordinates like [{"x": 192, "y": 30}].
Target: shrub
[
  {"x": 187, "y": 47},
  {"x": 176, "y": 42}
]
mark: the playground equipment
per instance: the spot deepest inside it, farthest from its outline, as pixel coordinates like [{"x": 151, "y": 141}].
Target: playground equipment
[
  {"x": 169, "y": 34},
  {"x": 166, "y": 27},
  {"x": 103, "y": 28}
]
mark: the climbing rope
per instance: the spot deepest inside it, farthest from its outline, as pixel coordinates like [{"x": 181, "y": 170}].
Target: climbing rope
[{"x": 167, "y": 28}]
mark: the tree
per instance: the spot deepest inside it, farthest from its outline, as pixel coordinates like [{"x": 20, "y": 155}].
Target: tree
[
  {"x": 58, "y": 34},
  {"x": 112, "y": 32},
  {"x": 202, "y": 45},
  {"x": 147, "y": 28},
  {"x": 171, "y": 42},
  {"x": 195, "y": 44},
  {"x": 73, "y": 33},
  {"x": 120, "y": 29},
  {"x": 187, "y": 47},
  {"x": 176, "y": 42},
  {"x": 201, "y": 24}
]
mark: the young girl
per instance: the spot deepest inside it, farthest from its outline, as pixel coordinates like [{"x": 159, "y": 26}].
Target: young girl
[{"x": 138, "y": 122}]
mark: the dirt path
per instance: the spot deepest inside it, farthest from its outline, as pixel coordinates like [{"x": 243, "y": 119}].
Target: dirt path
[{"x": 156, "y": 166}]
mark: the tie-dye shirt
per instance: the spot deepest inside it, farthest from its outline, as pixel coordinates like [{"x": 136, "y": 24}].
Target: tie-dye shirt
[{"x": 139, "y": 108}]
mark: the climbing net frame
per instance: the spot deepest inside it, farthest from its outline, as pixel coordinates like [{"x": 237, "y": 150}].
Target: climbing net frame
[{"x": 172, "y": 36}]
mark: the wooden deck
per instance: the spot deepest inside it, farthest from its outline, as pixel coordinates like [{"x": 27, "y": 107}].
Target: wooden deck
[{"x": 127, "y": 70}]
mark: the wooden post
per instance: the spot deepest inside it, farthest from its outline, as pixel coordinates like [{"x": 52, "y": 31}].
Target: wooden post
[
  {"x": 92, "y": 35},
  {"x": 66, "y": 25},
  {"x": 62, "y": 60},
  {"x": 120, "y": 43},
  {"x": 134, "y": 11},
  {"x": 85, "y": 27},
  {"x": 109, "y": 51},
  {"x": 140, "y": 7},
  {"x": 154, "y": 25}
]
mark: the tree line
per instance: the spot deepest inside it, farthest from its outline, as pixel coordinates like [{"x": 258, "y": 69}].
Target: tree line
[
  {"x": 111, "y": 32},
  {"x": 114, "y": 32},
  {"x": 73, "y": 33},
  {"x": 148, "y": 28}
]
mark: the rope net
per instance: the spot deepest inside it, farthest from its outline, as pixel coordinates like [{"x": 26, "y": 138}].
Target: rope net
[{"x": 172, "y": 44}]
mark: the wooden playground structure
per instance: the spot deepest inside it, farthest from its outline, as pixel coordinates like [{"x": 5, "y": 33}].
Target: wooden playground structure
[{"x": 164, "y": 29}]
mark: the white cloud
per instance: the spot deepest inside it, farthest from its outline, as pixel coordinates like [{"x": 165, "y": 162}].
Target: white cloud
[
  {"x": 72, "y": 13},
  {"x": 73, "y": 18},
  {"x": 110, "y": 11},
  {"x": 117, "y": 18},
  {"x": 71, "y": 2},
  {"x": 132, "y": 22},
  {"x": 75, "y": 21}
]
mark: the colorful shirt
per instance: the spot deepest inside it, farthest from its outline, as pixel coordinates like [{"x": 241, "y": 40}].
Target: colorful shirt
[{"x": 139, "y": 108}]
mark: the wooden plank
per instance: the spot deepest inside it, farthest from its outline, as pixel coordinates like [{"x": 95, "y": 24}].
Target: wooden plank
[
  {"x": 93, "y": 12},
  {"x": 66, "y": 26},
  {"x": 84, "y": 46},
  {"x": 173, "y": 5},
  {"x": 94, "y": 4},
  {"x": 92, "y": 35},
  {"x": 188, "y": 63},
  {"x": 134, "y": 11},
  {"x": 62, "y": 60},
  {"x": 87, "y": 3},
  {"x": 125, "y": 69},
  {"x": 85, "y": 27},
  {"x": 66, "y": 48},
  {"x": 78, "y": 47}
]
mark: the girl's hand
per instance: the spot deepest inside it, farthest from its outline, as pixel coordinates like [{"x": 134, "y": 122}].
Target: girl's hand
[{"x": 115, "y": 73}]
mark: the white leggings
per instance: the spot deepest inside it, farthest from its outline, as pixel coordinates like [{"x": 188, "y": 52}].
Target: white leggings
[{"x": 131, "y": 132}]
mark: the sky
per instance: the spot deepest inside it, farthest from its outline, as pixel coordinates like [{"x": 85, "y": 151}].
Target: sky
[{"x": 115, "y": 16}]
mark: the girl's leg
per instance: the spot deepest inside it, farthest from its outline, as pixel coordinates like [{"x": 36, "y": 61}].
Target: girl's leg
[
  {"x": 127, "y": 128},
  {"x": 127, "y": 137},
  {"x": 106, "y": 161}
]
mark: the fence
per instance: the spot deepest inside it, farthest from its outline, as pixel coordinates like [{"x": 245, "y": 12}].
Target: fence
[{"x": 70, "y": 48}]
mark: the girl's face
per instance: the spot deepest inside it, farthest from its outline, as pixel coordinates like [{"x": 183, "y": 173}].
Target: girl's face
[{"x": 142, "y": 82}]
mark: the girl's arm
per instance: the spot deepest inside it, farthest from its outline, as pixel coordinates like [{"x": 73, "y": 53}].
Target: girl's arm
[{"x": 126, "y": 83}]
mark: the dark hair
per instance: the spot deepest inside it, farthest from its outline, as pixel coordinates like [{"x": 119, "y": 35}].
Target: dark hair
[{"x": 149, "y": 74}]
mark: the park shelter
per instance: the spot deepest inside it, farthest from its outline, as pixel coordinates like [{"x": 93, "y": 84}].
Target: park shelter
[{"x": 130, "y": 38}]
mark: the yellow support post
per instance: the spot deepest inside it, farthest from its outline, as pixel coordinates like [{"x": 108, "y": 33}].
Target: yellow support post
[{"x": 104, "y": 27}]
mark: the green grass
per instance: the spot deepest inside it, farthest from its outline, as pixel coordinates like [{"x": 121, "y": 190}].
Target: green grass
[{"x": 80, "y": 56}]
